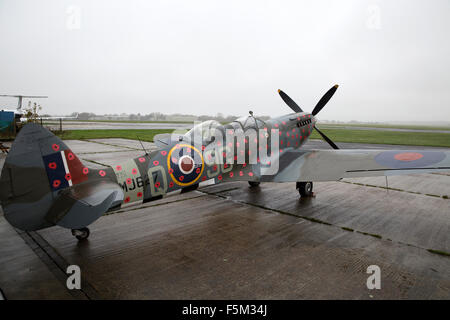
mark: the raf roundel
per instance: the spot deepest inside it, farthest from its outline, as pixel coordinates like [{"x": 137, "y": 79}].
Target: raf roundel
[
  {"x": 401, "y": 160},
  {"x": 185, "y": 164}
]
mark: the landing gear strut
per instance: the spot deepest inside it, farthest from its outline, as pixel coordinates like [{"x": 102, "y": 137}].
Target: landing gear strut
[
  {"x": 254, "y": 184},
  {"x": 81, "y": 234},
  {"x": 305, "y": 188}
]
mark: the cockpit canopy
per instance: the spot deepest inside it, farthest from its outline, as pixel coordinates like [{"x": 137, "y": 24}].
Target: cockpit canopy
[
  {"x": 205, "y": 130},
  {"x": 208, "y": 130},
  {"x": 247, "y": 122}
]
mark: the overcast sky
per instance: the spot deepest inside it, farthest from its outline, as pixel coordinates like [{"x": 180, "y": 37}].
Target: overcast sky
[{"x": 390, "y": 58}]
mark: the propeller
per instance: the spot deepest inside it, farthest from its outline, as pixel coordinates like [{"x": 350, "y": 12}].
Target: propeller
[
  {"x": 319, "y": 106},
  {"x": 291, "y": 103},
  {"x": 331, "y": 143},
  {"x": 324, "y": 100}
]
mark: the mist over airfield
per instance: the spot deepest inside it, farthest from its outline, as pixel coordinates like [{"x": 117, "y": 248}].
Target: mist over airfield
[{"x": 390, "y": 58}]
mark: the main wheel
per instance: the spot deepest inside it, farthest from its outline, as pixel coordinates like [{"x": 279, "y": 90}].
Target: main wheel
[
  {"x": 254, "y": 183},
  {"x": 305, "y": 188},
  {"x": 81, "y": 234}
]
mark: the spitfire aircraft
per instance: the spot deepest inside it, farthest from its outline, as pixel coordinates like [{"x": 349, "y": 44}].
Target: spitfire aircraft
[{"x": 43, "y": 183}]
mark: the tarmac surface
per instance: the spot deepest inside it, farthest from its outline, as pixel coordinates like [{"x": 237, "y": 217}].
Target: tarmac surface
[{"x": 230, "y": 241}]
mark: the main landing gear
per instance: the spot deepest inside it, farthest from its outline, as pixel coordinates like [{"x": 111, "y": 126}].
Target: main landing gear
[
  {"x": 254, "y": 184},
  {"x": 81, "y": 234},
  {"x": 305, "y": 188}
]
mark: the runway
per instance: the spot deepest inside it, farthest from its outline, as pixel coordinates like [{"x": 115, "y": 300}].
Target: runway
[{"x": 229, "y": 241}]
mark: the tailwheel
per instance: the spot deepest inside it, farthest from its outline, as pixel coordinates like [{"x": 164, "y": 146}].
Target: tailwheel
[
  {"x": 254, "y": 184},
  {"x": 81, "y": 234},
  {"x": 305, "y": 188}
]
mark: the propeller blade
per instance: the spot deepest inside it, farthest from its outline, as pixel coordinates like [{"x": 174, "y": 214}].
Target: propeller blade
[
  {"x": 331, "y": 143},
  {"x": 324, "y": 100},
  {"x": 291, "y": 103}
]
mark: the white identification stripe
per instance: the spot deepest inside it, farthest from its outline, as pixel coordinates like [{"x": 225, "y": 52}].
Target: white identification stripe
[
  {"x": 66, "y": 168},
  {"x": 206, "y": 183}
]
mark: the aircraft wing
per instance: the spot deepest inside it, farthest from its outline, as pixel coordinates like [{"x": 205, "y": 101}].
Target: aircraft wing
[{"x": 332, "y": 165}]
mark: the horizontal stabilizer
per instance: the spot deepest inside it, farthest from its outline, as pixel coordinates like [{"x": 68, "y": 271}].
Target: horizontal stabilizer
[{"x": 82, "y": 204}]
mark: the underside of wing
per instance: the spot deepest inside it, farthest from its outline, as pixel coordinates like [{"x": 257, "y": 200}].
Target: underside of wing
[{"x": 331, "y": 165}]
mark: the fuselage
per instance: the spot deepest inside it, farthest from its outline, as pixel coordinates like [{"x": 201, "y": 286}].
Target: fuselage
[{"x": 184, "y": 165}]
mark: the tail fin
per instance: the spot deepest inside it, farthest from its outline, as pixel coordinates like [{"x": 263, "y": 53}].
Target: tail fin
[{"x": 43, "y": 183}]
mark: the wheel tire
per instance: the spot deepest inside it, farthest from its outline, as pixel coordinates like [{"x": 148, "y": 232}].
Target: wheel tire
[
  {"x": 305, "y": 188},
  {"x": 81, "y": 234},
  {"x": 254, "y": 184}
]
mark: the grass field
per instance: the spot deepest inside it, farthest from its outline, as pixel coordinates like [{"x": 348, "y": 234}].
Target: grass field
[
  {"x": 387, "y": 137},
  {"x": 56, "y": 121},
  {"x": 387, "y": 126},
  {"x": 134, "y": 134},
  {"x": 337, "y": 135},
  {"x": 368, "y": 125}
]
